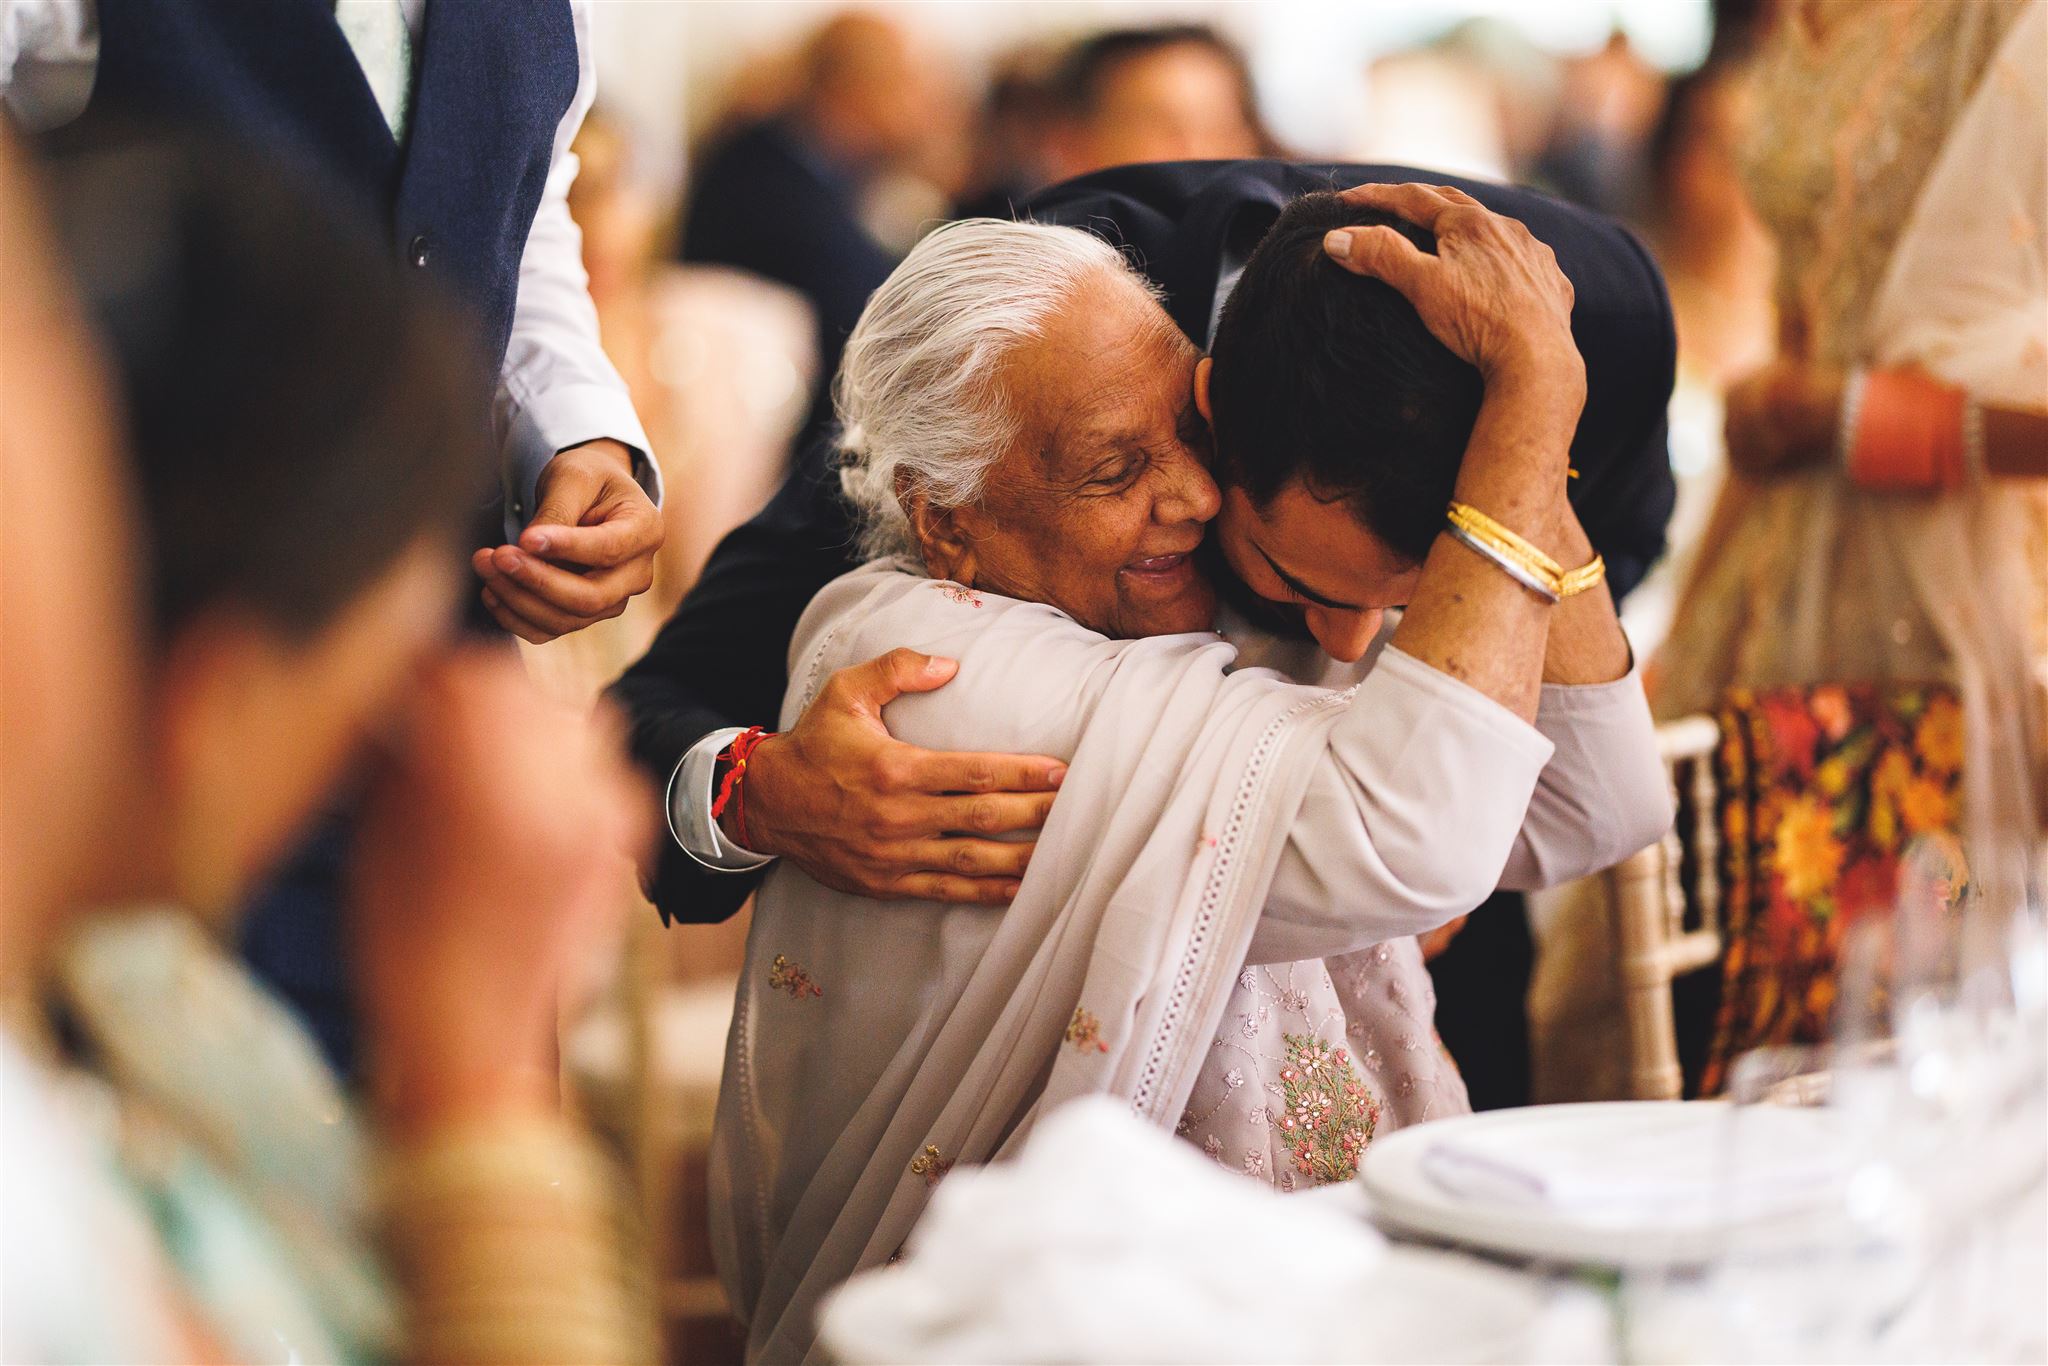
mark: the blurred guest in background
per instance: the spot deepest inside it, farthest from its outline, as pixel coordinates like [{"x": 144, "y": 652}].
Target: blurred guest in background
[
  {"x": 790, "y": 197},
  {"x": 1609, "y": 106},
  {"x": 1180, "y": 92},
  {"x": 288, "y": 606},
  {"x": 719, "y": 364},
  {"x": 1877, "y": 567},
  {"x": 1889, "y": 514},
  {"x": 1012, "y": 153}
]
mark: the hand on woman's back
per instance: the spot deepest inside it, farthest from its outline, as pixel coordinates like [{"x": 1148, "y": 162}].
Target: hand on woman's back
[{"x": 490, "y": 860}]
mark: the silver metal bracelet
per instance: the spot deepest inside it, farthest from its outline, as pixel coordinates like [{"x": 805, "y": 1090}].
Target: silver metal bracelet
[
  {"x": 1518, "y": 572},
  {"x": 1973, "y": 442},
  {"x": 1850, "y": 416}
]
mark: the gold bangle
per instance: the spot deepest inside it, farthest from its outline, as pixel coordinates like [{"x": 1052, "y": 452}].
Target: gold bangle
[
  {"x": 1579, "y": 580},
  {"x": 1469, "y": 518}
]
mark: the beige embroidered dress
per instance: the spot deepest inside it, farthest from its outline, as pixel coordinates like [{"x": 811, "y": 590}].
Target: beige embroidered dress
[
  {"x": 1897, "y": 161},
  {"x": 1216, "y": 927}
]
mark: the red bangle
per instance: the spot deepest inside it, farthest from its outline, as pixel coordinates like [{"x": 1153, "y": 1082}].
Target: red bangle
[
  {"x": 1909, "y": 434},
  {"x": 732, "y": 792}
]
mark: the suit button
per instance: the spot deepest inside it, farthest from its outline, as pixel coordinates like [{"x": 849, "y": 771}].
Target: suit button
[{"x": 417, "y": 251}]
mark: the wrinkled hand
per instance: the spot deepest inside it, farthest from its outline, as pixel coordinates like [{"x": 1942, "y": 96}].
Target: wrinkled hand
[
  {"x": 865, "y": 813},
  {"x": 490, "y": 860},
  {"x": 1492, "y": 293},
  {"x": 1783, "y": 418},
  {"x": 589, "y": 548}
]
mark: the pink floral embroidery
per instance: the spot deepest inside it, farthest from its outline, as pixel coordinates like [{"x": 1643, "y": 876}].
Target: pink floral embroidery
[
  {"x": 1328, "y": 1116},
  {"x": 784, "y": 975},
  {"x": 1254, "y": 1163},
  {"x": 960, "y": 593},
  {"x": 1084, "y": 1032},
  {"x": 1213, "y": 1146}
]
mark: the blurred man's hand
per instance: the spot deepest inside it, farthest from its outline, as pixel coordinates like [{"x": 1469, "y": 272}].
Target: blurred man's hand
[{"x": 589, "y": 548}]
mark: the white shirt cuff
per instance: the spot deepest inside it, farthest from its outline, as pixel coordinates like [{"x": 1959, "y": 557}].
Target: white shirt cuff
[
  {"x": 690, "y": 797},
  {"x": 557, "y": 418}
]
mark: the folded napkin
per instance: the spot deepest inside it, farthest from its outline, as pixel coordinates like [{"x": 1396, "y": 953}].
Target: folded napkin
[
  {"x": 1692, "y": 1163},
  {"x": 1108, "y": 1240}
]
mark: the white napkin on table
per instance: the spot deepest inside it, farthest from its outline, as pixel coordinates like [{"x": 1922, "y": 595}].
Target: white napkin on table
[
  {"x": 1686, "y": 1162},
  {"x": 1108, "y": 1240}
]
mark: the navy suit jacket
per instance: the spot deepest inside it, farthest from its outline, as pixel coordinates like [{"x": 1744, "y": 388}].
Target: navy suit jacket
[{"x": 720, "y": 660}]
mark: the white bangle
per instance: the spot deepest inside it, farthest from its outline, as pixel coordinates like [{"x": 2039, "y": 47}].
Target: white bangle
[
  {"x": 1515, "y": 571},
  {"x": 1850, "y": 416},
  {"x": 1973, "y": 442}
]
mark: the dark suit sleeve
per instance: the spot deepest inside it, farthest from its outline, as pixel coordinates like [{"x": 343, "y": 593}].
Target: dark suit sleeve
[
  {"x": 1627, "y": 517},
  {"x": 722, "y": 659}
]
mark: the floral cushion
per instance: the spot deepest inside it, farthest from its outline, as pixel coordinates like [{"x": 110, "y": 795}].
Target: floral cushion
[{"x": 1821, "y": 789}]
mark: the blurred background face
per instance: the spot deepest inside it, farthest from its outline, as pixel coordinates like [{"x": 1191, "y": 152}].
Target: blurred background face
[
  {"x": 1185, "y": 102},
  {"x": 1100, "y": 503}
]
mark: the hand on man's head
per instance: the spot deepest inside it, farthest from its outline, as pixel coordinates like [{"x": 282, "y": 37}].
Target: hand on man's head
[
  {"x": 1492, "y": 292},
  {"x": 589, "y": 548}
]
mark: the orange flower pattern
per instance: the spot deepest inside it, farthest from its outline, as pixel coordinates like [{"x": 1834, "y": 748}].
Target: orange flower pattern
[
  {"x": 784, "y": 975},
  {"x": 1084, "y": 1032},
  {"x": 1821, "y": 791}
]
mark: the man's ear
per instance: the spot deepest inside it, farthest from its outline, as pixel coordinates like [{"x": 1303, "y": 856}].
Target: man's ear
[
  {"x": 941, "y": 542},
  {"x": 1202, "y": 369}
]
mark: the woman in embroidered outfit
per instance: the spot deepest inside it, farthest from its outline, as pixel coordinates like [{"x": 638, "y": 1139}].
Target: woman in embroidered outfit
[
  {"x": 225, "y": 1197},
  {"x": 1888, "y": 515},
  {"x": 1217, "y": 924}
]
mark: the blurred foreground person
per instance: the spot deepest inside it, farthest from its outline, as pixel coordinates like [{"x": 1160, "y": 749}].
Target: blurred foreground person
[
  {"x": 294, "y": 614},
  {"x": 444, "y": 127},
  {"x": 1888, "y": 518}
]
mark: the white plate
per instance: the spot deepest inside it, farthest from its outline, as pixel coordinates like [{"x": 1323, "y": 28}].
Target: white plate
[{"x": 1407, "y": 1198}]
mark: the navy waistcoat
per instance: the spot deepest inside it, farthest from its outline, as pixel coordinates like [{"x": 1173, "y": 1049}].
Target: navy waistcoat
[{"x": 491, "y": 81}]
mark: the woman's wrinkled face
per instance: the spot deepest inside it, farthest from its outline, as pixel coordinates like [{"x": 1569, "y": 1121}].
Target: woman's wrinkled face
[{"x": 1098, "y": 505}]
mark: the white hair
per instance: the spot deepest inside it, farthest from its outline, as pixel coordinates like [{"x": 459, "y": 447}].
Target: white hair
[{"x": 920, "y": 411}]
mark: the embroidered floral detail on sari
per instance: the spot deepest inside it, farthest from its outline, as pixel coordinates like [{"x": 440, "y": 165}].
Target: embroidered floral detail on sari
[
  {"x": 784, "y": 975},
  {"x": 1084, "y": 1032},
  {"x": 959, "y": 592},
  {"x": 1328, "y": 1116},
  {"x": 929, "y": 1165}
]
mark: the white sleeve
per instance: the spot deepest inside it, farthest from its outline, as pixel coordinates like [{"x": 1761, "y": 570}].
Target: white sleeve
[
  {"x": 1602, "y": 796},
  {"x": 558, "y": 388},
  {"x": 1408, "y": 820},
  {"x": 49, "y": 51},
  {"x": 690, "y": 799}
]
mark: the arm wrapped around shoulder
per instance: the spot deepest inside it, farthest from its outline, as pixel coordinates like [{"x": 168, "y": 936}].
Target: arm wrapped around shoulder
[
  {"x": 1603, "y": 795},
  {"x": 1410, "y": 820}
]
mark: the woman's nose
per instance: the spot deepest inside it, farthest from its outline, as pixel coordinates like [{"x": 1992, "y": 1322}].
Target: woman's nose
[
  {"x": 1187, "y": 493},
  {"x": 1344, "y": 636}
]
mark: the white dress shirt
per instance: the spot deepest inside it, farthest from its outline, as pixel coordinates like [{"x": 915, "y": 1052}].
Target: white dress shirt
[{"x": 557, "y": 388}]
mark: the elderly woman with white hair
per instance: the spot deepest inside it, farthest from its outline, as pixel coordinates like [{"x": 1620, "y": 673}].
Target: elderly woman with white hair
[{"x": 1217, "y": 926}]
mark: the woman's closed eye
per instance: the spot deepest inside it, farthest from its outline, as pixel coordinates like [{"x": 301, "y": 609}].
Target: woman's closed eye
[{"x": 1117, "y": 473}]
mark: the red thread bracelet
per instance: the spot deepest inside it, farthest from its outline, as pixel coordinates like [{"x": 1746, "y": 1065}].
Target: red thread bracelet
[{"x": 732, "y": 792}]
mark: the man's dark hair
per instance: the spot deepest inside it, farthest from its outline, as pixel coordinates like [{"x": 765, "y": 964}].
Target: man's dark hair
[
  {"x": 298, "y": 412},
  {"x": 1332, "y": 379},
  {"x": 1082, "y": 77}
]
